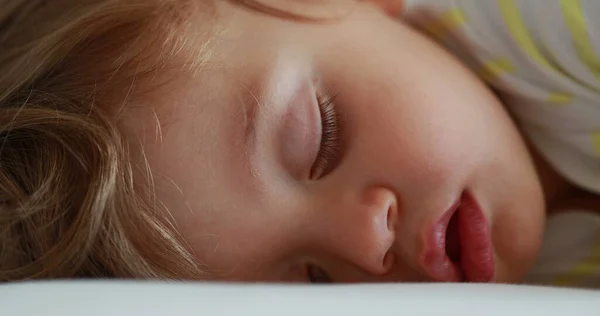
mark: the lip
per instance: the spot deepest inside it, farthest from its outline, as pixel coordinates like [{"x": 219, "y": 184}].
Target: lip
[{"x": 474, "y": 261}]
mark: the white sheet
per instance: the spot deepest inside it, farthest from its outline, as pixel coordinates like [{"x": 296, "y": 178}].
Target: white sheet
[{"x": 80, "y": 298}]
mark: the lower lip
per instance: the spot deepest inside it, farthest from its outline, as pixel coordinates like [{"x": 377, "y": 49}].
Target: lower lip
[{"x": 476, "y": 263}]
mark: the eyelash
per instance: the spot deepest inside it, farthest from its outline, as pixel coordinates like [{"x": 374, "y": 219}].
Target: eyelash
[{"x": 330, "y": 138}]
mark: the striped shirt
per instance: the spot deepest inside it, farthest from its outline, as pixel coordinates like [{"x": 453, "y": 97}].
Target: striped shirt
[{"x": 543, "y": 58}]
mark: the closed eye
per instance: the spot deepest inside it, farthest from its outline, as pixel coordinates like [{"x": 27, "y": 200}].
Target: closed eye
[{"x": 329, "y": 149}]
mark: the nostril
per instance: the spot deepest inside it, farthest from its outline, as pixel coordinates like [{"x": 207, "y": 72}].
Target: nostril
[
  {"x": 392, "y": 214},
  {"x": 388, "y": 261}
]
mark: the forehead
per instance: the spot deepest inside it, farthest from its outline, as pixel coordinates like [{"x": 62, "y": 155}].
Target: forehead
[
  {"x": 192, "y": 133},
  {"x": 193, "y": 126}
]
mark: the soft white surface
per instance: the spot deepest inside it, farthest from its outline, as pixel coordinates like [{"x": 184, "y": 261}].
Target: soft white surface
[{"x": 145, "y": 299}]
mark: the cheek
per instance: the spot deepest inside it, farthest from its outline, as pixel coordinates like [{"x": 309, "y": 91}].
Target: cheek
[
  {"x": 410, "y": 120},
  {"x": 426, "y": 140}
]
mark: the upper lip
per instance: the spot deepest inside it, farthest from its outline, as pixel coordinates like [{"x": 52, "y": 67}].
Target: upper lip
[{"x": 470, "y": 257}]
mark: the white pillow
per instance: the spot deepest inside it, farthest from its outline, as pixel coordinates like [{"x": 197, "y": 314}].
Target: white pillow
[{"x": 86, "y": 298}]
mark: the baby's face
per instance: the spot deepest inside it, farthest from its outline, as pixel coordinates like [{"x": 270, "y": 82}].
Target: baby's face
[{"x": 352, "y": 150}]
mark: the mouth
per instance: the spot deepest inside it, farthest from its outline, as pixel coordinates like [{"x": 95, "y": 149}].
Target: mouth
[{"x": 459, "y": 246}]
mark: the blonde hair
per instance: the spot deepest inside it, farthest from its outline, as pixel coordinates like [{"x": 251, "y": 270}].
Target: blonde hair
[
  {"x": 72, "y": 203},
  {"x": 68, "y": 203}
]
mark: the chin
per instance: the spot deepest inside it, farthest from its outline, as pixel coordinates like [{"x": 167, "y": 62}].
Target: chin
[
  {"x": 517, "y": 254},
  {"x": 513, "y": 273}
]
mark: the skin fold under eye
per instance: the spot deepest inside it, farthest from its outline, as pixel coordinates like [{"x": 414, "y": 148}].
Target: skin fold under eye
[{"x": 329, "y": 148}]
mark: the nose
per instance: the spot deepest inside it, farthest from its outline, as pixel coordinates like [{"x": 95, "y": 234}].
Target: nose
[{"x": 361, "y": 229}]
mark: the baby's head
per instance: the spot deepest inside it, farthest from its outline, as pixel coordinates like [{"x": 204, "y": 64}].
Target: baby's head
[{"x": 269, "y": 140}]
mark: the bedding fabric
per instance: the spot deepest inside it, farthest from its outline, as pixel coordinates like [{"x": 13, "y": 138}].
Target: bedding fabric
[{"x": 147, "y": 299}]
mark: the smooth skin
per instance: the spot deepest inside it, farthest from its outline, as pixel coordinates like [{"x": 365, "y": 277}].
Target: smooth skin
[{"x": 235, "y": 163}]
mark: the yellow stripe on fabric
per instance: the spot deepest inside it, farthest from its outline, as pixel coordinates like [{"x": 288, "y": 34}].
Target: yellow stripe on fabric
[
  {"x": 495, "y": 68},
  {"x": 596, "y": 143},
  {"x": 560, "y": 98},
  {"x": 576, "y": 23},
  {"x": 586, "y": 268},
  {"x": 514, "y": 21},
  {"x": 446, "y": 23}
]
